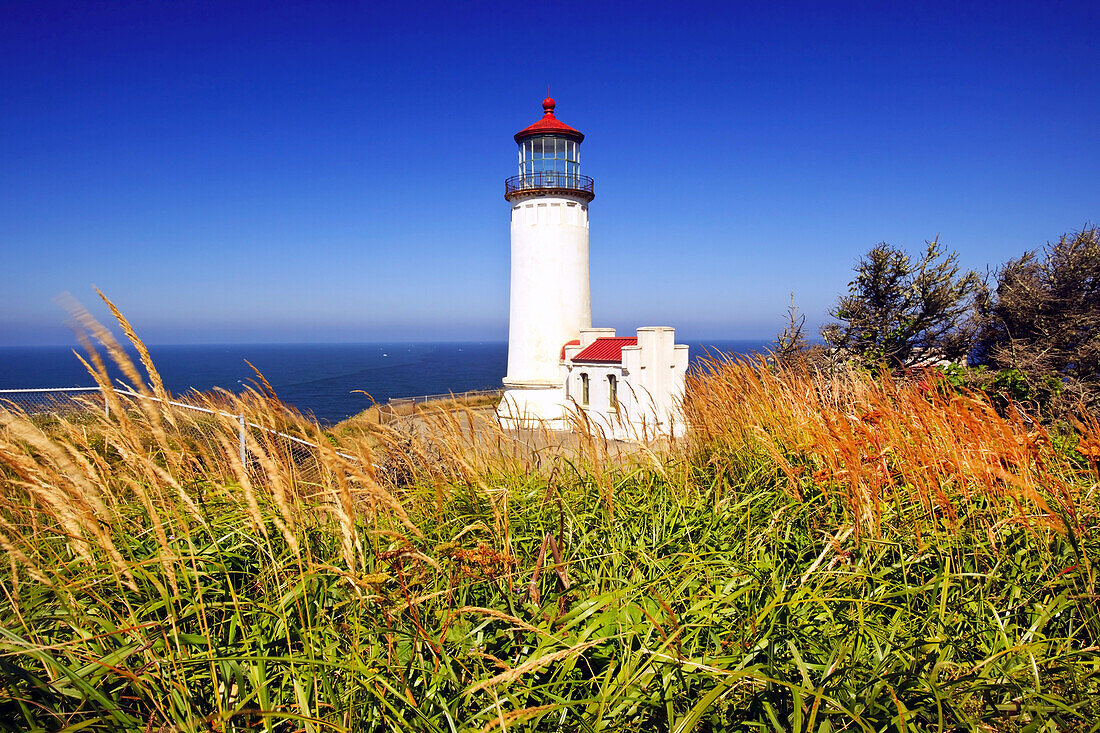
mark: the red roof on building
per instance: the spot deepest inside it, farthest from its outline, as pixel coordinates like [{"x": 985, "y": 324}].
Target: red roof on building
[
  {"x": 549, "y": 125},
  {"x": 608, "y": 350},
  {"x": 567, "y": 344}
]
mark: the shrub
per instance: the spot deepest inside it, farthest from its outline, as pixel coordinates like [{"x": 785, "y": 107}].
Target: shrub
[
  {"x": 903, "y": 313},
  {"x": 1042, "y": 321}
]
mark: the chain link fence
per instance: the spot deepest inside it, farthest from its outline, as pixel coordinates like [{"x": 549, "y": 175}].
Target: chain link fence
[
  {"x": 205, "y": 427},
  {"x": 53, "y": 400},
  {"x": 196, "y": 424}
]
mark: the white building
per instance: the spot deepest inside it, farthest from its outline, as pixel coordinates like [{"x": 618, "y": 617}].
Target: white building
[
  {"x": 559, "y": 367},
  {"x": 630, "y": 387}
]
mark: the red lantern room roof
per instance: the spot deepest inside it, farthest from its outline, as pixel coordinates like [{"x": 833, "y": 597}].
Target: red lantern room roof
[{"x": 549, "y": 125}]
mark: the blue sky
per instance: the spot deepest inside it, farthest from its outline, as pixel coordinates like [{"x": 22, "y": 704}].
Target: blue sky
[{"x": 329, "y": 172}]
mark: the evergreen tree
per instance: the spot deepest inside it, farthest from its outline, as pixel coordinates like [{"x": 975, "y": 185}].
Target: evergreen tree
[
  {"x": 1043, "y": 319},
  {"x": 902, "y": 313}
]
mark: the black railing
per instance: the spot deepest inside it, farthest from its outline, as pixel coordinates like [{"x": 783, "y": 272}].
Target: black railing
[{"x": 543, "y": 180}]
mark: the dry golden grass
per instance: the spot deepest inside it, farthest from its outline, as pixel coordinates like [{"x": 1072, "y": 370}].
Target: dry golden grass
[
  {"x": 863, "y": 552},
  {"x": 458, "y": 402},
  {"x": 878, "y": 442}
]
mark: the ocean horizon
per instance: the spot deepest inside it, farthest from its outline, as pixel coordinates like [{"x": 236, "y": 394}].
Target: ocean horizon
[{"x": 330, "y": 381}]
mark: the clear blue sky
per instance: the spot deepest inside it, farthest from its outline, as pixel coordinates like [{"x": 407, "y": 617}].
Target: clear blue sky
[{"x": 334, "y": 172}]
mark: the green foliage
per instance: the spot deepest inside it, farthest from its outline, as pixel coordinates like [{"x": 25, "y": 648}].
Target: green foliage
[
  {"x": 695, "y": 607},
  {"x": 903, "y": 313},
  {"x": 1013, "y": 384},
  {"x": 1005, "y": 387},
  {"x": 955, "y": 376}
]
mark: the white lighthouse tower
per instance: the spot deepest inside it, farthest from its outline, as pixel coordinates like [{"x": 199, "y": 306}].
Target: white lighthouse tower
[{"x": 550, "y": 301}]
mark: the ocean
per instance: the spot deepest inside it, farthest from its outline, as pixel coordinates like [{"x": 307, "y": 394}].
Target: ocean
[{"x": 323, "y": 379}]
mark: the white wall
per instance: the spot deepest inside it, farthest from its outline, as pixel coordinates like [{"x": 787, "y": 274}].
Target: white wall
[
  {"x": 533, "y": 408},
  {"x": 650, "y": 389},
  {"x": 549, "y": 304},
  {"x": 655, "y": 369},
  {"x": 550, "y": 300}
]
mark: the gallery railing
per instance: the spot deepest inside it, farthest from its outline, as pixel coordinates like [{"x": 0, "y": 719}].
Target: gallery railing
[{"x": 543, "y": 180}]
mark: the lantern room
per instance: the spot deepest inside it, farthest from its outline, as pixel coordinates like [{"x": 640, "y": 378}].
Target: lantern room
[{"x": 549, "y": 160}]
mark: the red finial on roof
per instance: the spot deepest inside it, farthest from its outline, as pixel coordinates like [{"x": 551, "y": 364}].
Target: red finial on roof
[{"x": 549, "y": 125}]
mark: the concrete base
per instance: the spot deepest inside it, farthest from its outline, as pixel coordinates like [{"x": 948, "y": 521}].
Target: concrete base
[{"x": 526, "y": 408}]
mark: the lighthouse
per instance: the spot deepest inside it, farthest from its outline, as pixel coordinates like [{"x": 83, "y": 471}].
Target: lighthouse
[
  {"x": 550, "y": 301},
  {"x": 561, "y": 371}
]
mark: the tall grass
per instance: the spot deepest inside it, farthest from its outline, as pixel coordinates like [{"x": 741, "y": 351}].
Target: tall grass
[
  {"x": 880, "y": 445},
  {"x": 822, "y": 554}
]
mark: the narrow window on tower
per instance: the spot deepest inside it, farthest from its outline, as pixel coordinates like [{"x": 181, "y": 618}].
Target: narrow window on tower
[
  {"x": 612, "y": 393},
  {"x": 544, "y": 148},
  {"x": 584, "y": 389}
]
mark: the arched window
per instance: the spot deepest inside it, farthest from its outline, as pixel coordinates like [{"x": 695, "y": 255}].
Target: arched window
[
  {"x": 584, "y": 389},
  {"x": 612, "y": 392}
]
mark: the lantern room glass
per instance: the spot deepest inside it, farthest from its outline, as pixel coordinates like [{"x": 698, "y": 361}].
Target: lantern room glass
[{"x": 549, "y": 161}]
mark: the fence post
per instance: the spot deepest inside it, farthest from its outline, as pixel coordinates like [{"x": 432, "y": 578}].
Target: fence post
[{"x": 244, "y": 454}]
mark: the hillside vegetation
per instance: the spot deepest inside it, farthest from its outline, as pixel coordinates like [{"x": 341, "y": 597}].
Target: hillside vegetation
[
  {"x": 822, "y": 553},
  {"x": 1029, "y": 330}
]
